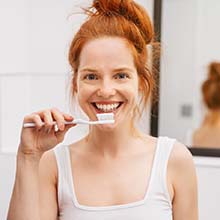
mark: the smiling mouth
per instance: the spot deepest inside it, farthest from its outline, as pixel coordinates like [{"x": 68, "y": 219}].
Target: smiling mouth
[{"x": 107, "y": 107}]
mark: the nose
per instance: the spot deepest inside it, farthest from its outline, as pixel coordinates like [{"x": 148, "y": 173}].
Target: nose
[{"x": 106, "y": 89}]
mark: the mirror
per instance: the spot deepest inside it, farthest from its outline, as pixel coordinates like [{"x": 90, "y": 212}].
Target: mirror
[{"x": 190, "y": 42}]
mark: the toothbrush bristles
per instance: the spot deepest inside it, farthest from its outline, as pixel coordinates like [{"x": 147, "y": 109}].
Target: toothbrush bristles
[{"x": 105, "y": 116}]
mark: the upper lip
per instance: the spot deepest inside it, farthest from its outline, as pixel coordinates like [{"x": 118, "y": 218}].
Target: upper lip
[{"x": 106, "y": 102}]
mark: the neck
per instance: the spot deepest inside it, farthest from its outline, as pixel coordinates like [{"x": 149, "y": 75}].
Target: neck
[
  {"x": 114, "y": 142},
  {"x": 212, "y": 118}
]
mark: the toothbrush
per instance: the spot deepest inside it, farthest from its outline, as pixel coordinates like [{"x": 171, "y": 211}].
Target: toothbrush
[{"x": 103, "y": 118}]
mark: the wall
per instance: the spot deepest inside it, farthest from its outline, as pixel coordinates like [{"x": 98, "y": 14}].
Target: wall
[
  {"x": 33, "y": 58},
  {"x": 177, "y": 65},
  {"x": 34, "y": 72}
]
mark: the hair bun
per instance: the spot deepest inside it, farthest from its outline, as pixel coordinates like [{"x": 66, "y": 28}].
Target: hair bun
[
  {"x": 107, "y": 7},
  {"x": 214, "y": 72},
  {"x": 129, "y": 10}
]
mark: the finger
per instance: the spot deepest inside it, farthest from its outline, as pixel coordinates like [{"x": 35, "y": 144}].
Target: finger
[
  {"x": 59, "y": 118},
  {"x": 60, "y": 134},
  {"x": 48, "y": 120},
  {"x": 34, "y": 118},
  {"x": 67, "y": 117}
]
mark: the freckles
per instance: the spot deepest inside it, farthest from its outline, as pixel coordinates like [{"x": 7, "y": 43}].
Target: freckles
[
  {"x": 131, "y": 88},
  {"x": 85, "y": 91}
]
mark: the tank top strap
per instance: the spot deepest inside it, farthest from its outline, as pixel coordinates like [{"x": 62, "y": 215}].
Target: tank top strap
[
  {"x": 65, "y": 181},
  {"x": 159, "y": 171}
]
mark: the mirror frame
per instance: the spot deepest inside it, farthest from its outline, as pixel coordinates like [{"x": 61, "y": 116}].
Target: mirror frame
[{"x": 154, "y": 117}]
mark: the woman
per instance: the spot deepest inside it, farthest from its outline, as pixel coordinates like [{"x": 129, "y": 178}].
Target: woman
[
  {"x": 116, "y": 171},
  {"x": 207, "y": 135}
]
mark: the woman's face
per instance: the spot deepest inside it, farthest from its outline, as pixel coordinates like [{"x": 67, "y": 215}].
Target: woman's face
[{"x": 107, "y": 79}]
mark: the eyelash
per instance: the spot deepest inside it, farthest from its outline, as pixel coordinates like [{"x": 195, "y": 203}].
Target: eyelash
[
  {"x": 90, "y": 74},
  {"x": 124, "y": 74},
  {"x": 115, "y": 76}
]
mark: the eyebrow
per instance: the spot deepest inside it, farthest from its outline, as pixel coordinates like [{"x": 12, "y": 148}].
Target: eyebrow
[{"x": 115, "y": 70}]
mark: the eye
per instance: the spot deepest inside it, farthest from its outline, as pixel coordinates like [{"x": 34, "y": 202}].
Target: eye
[
  {"x": 91, "y": 76},
  {"x": 121, "y": 76}
]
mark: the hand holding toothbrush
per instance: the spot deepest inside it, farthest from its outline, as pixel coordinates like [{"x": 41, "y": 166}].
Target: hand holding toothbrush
[{"x": 43, "y": 136}]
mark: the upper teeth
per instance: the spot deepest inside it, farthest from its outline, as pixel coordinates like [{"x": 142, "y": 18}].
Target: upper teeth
[{"x": 108, "y": 107}]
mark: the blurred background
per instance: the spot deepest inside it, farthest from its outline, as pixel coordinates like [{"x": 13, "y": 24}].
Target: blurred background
[
  {"x": 190, "y": 42},
  {"x": 34, "y": 74}
]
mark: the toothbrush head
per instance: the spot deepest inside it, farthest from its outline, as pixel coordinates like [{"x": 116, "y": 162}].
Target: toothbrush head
[{"x": 106, "y": 118}]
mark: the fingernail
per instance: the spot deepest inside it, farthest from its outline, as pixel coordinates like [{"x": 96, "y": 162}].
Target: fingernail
[{"x": 70, "y": 116}]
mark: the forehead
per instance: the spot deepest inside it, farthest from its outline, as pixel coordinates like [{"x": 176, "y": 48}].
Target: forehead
[{"x": 108, "y": 51}]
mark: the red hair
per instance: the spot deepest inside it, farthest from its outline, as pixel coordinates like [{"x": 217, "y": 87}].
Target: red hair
[
  {"x": 211, "y": 87},
  {"x": 117, "y": 18}
]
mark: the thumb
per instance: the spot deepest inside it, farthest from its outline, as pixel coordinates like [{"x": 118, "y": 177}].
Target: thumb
[{"x": 61, "y": 134}]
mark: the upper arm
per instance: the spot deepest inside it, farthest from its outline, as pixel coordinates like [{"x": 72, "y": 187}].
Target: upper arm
[
  {"x": 48, "y": 189},
  {"x": 184, "y": 182}
]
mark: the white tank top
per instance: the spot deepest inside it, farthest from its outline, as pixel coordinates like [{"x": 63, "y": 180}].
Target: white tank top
[{"x": 156, "y": 204}]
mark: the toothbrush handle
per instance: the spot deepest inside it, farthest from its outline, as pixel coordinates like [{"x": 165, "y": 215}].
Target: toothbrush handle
[
  {"x": 29, "y": 125},
  {"x": 76, "y": 121},
  {"x": 32, "y": 125}
]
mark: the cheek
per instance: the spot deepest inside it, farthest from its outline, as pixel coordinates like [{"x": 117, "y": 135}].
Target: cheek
[
  {"x": 132, "y": 90},
  {"x": 134, "y": 94},
  {"x": 130, "y": 93},
  {"x": 84, "y": 92}
]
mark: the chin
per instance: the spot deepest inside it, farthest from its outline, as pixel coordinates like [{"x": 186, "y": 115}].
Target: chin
[{"x": 107, "y": 127}]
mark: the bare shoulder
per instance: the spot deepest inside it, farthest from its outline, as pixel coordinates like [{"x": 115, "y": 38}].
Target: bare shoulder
[
  {"x": 181, "y": 162},
  {"x": 198, "y": 133},
  {"x": 182, "y": 176},
  {"x": 180, "y": 155}
]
